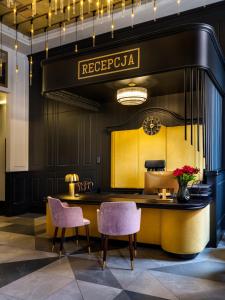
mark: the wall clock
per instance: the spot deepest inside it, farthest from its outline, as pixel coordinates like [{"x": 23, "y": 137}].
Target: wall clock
[{"x": 151, "y": 125}]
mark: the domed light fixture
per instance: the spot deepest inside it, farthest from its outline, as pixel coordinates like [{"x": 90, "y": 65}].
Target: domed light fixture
[{"x": 132, "y": 95}]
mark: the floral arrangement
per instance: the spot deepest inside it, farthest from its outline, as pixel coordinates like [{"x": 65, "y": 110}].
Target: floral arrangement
[{"x": 185, "y": 174}]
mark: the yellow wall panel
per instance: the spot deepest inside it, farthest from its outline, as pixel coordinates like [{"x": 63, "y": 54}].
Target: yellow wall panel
[
  {"x": 130, "y": 149},
  {"x": 124, "y": 171}
]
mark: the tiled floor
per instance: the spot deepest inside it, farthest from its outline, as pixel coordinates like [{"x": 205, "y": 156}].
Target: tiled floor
[{"x": 29, "y": 270}]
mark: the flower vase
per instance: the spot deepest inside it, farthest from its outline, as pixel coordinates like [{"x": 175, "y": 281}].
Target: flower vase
[{"x": 183, "y": 194}]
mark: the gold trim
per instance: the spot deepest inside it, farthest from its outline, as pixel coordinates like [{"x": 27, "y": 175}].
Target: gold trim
[{"x": 108, "y": 55}]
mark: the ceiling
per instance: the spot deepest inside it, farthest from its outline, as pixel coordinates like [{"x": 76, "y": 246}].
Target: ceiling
[
  {"x": 157, "y": 85},
  {"x": 68, "y": 14},
  {"x": 143, "y": 13}
]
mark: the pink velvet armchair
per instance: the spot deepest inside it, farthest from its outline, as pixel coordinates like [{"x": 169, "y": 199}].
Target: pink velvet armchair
[
  {"x": 118, "y": 219},
  {"x": 63, "y": 216}
]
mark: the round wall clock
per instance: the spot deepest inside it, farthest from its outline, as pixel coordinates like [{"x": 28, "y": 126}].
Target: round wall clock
[{"x": 151, "y": 125}]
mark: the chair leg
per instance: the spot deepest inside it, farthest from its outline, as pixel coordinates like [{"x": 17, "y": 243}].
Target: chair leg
[
  {"x": 61, "y": 242},
  {"x": 102, "y": 245},
  {"x": 105, "y": 248},
  {"x": 131, "y": 251},
  {"x": 135, "y": 244},
  {"x": 54, "y": 238},
  {"x": 88, "y": 238},
  {"x": 77, "y": 235}
]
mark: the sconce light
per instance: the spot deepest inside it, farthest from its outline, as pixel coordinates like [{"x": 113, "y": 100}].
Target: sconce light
[{"x": 72, "y": 178}]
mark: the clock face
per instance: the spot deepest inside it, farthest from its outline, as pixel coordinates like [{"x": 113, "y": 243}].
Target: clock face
[{"x": 151, "y": 125}]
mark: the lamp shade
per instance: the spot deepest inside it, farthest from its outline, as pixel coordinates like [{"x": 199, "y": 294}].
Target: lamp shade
[
  {"x": 71, "y": 178},
  {"x": 132, "y": 95}
]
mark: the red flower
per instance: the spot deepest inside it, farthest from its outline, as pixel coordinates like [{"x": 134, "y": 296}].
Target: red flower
[
  {"x": 185, "y": 170},
  {"x": 178, "y": 172}
]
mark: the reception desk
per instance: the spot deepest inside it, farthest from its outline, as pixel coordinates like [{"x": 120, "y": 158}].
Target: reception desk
[{"x": 179, "y": 228}]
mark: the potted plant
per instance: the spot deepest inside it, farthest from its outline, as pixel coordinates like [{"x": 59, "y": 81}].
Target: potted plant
[{"x": 184, "y": 175}]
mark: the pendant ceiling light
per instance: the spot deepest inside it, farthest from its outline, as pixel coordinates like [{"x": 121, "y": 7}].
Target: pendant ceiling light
[{"x": 132, "y": 95}]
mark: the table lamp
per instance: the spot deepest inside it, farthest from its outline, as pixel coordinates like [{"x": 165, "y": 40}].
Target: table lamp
[{"x": 71, "y": 178}]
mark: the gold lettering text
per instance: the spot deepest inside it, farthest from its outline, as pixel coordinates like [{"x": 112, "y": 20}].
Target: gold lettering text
[
  {"x": 131, "y": 60},
  {"x": 84, "y": 69},
  {"x": 117, "y": 65},
  {"x": 91, "y": 67},
  {"x": 97, "y": 69},
  {"x": 104, "y": 65},
  {"x": 124, "y": 61},
  {"x": 110, "y": 63}
]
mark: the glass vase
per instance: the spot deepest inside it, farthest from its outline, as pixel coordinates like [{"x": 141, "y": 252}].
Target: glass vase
[{"x": 183, "y": 194}]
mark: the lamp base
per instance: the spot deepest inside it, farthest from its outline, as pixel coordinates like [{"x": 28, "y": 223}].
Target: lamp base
[{"x": 71, "y": 189}]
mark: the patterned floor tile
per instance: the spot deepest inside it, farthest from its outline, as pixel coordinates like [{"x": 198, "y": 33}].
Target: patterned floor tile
[
  {"x": 18, "y": 228},
  {"x": 35, "y": 286},
  {"x": 60, "y": 266},
  {"x": 127, "y": 295},
  {"x": 210, "y": 270},
  {"x": 214, "y": 295},
  {"x": 93, "y": 291},
  {"x": 12, "y": 271},
  {"x": 3, "y": 224},
  {"x": 17, "y": 240},
  {"x": 69, "y": 292},
  {"x": 90, "y": 271},
  {"x": 184, "y": 285},
  {"x": 7, "y": 297},
  {"x": 142, "y": 282}
]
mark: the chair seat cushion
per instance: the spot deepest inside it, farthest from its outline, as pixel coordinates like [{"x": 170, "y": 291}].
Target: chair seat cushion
[{"x": 86, "y": 221}]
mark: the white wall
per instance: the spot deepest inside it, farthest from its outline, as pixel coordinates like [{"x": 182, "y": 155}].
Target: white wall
[
  {"x": 2, "y": 149},
  {"x": 17, "y": 120}
]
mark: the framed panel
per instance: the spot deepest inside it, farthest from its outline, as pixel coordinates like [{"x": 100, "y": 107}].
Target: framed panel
[{"x": 3, "y": 68}]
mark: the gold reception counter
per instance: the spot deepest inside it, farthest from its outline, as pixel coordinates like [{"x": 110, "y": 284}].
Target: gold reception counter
[{"x": 179, "y": 228}]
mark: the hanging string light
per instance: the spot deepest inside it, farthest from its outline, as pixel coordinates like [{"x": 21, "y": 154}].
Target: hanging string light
[
  {"x": 16, "y": 48},
  {"x": 74, "y": 7},
  {"x": 123, "y": 6},
  {"x": 93, "y": 30},
  {"x": 68, "y": 10},
  {"x": 76, "y": 46},
  {"x": 49, "y": 13},
  {"x": 34, "y": 7},
  {"x": 112, "y": 23},
  {"x": 46, "y": 43},
  {"x": 178, "y": 6},
  {"x": 89, "y": 5},
  {"x": 63, "y": 25},
  {"x": 60, "y": 34},
  {"x": 14, "y": 13},
  {"x": 102, "y": 12},
  {"x": 108, "y": 7},
  {"x": 82, "y": 11},
  {"x": 98, "y": 8},
  {"x": 61, "y": 6},
  {"x": 1, "y": 59},
  {"x": 154, "y": 9},
  {"x": 132, "y": 14},
  {"x": 31, "y": 58},
  {"x": 56, "y": 6}
]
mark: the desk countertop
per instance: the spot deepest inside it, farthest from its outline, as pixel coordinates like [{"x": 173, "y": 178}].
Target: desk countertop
[{"x": 145, "y": 201}]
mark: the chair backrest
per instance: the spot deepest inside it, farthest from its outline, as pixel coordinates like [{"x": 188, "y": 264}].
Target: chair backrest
[
  {"x": 55, "y": 207},
  {"x": 155, "y": 181},
  {"x": 119, "y": 218},
  {"x": 64, "y": 216}
]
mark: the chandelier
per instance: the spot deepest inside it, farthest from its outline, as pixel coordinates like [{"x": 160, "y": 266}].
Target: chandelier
[{"x": 132, "y": 95}]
